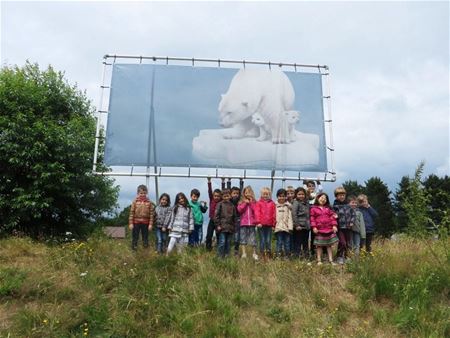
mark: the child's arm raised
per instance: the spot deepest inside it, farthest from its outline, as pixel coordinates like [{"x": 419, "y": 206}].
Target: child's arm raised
[{"x": 210, "y": 192}]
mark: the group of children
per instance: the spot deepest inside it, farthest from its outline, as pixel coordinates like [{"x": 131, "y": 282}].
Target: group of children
[{"x": 302, "y": 220}]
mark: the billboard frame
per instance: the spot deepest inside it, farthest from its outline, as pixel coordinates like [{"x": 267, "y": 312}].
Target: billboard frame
[{"x": 103, "y": 109}]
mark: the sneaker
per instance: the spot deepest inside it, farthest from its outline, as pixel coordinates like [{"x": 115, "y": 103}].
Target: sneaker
[
  {"x": 255, "y": 257},
  {"x": 340, "y": 260},
  {"x": 333, "y": 263},
  {"x": 244, "y": 255},
  {"x": 319, "y": 263}
]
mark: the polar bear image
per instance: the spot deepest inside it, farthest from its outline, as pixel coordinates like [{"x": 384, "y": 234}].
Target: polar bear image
[
  {"x": 285, "y": 131},
  {"x": 267, "y": 92},
  {"x": 292, "y": 117}
]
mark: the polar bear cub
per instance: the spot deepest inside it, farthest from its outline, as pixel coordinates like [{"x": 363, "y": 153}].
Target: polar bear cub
[{"x": 286, "y": 127}]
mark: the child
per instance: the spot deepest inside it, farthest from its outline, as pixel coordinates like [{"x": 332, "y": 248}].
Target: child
[
  {"x": 369, "y": 214},
  {"x": 225, "y": 219},
  {"x": 346, "y": 220},
  {"x": 359, "y": 228},
  {"x": 283, "y": 224},
  {"x": 235, "y": 196},
  {"x": 214, "y": 198},
  {"x": 324, "y": 225},
  {"x": 246, "y": 208},
  {"x": 198, "y": 209},
  {"x": 290, "y": 194},
  {"x": 163, "y": 211},
  {"x": 141, "y": 217},
  {"x": 312, "y": 190},
  {"x": 181, "y": 223},
  {"x": 302, "y": 225},
  {"x": 265, "y": 218}
]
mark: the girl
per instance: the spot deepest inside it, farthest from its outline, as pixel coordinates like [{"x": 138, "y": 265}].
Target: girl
[
  {"x": 324, "y": 225},
  {"x": 181, "y": 223},
  {"x": 283, "y": 224},
  {"x": 265, "y": 219},
  {"x": 302, "y": 225},
  {"x": 246, "y": 209},
  {"x": 163, "y": 211}
]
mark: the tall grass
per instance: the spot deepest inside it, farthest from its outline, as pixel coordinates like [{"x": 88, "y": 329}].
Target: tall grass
[{"x": 101, "y": 288}]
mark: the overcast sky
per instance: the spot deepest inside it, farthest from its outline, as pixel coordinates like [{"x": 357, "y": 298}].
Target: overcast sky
[{"x": 389, "y": 64}]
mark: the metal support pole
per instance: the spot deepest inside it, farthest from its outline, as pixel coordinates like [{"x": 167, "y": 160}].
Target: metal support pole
[{"x": 98, "y": 114}]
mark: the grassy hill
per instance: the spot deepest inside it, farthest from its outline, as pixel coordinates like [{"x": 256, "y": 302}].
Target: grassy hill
[{"x": 100, "y": 288}]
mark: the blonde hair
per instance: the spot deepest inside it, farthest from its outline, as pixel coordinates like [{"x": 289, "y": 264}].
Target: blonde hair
[
  {"x": 339, "y": 190},
  {"x": 265, "y": 189},
  {"x": 247, "y": 188},
  {"x": 361, "y": 198},
  {"x": 290, "y": 188}
]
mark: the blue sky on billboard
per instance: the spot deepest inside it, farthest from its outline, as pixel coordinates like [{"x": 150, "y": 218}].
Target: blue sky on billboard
[{"x": 389, "y": 64}]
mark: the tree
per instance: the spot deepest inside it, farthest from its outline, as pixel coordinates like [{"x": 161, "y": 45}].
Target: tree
[
  {"x": 401, "y": 195},
  {"x": 415, "y": 204},
  {"x": 47, "y": 139},
  {"x": 438, "y": 192},
  {"x": 379, "y": 198},
  {"x": 353, "y": 188}
]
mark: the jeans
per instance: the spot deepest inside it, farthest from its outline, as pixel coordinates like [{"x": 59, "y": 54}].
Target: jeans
[
  {"x": 237, "y": 237},
  {"x": 265, "y": 239},
  {"x": 283, "y": 245},
  {"x": 209, "y": 234},
  {"x": 345, "y": 242},
  {"x": 161, "y": 240},
  {"x": 194, "y": 235},
  {"x": 224, "y": 244},
  {"x": 300, "y": 243},
  {"x": 137, "y": 228},
  {"x": 178, "y": 242},
  {"x": 367, "y": 243},
  {"x": 356, "y": 243}
]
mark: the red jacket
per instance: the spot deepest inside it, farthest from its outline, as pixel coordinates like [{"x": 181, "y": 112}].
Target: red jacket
[
  {"x": 265, "y": 212},
  {"x": 323, "y": 218}
]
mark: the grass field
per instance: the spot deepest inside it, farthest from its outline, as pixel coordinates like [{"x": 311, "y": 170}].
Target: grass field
[{"x": 100, "y": 288}]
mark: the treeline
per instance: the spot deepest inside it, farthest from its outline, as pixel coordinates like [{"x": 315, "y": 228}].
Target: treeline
[
  {"x": 47, "y": 136},
  {"x": 419, "y": 205}
]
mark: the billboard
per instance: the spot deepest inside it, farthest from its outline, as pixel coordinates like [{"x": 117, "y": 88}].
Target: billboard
[{"x": 254, "y": 118}]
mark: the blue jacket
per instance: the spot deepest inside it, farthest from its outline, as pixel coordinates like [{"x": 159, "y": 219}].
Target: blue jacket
[{"x": 369, "y": 214}]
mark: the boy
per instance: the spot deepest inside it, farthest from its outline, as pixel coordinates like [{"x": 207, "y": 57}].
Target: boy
[
  {"x": 312, "y": 190},
  {"x": 369, "y": 214},
  {"x": 225, "y": 221},
  {"x": 359, "y": 228},
  {"x": 141, "y": 217},
  {"x": 198, "y": 209},
  {"x": 235, "y": 197},
  {"x": 346, "y": 221},
  {"x": 214, "y": 198}
]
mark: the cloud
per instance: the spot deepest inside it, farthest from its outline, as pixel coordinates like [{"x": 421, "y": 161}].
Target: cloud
[{"x": 389, "y": 63}]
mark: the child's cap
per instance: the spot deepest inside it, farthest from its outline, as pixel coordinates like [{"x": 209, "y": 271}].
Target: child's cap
[{"x": 339, "y": 190}]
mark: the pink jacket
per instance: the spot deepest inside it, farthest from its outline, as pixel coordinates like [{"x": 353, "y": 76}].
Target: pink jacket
[
  {"x": 323, "y": 218},
  {"x": 265, "y": 212},
  {"x": 247, "y": 212}
]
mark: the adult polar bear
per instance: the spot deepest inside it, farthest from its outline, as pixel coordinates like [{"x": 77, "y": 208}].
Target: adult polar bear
[{"x": 267, "y": 92}]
